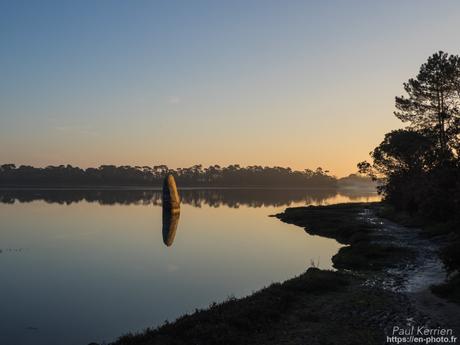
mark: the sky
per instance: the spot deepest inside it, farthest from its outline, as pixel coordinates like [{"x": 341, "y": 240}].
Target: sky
[{"x": 278, "y": 83}]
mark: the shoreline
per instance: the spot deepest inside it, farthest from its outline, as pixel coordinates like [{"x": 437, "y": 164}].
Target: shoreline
[
  {"x": 159, "y": 188},
  {"x": 360, "y": 300}
]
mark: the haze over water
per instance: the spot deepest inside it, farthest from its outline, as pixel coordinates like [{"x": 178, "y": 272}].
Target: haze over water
[{"x": 91, "y": 270}]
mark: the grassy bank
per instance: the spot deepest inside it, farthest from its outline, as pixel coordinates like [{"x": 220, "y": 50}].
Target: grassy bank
[
  {"x": 345, "y": 223},
  {"x": 317, "y": 307}
]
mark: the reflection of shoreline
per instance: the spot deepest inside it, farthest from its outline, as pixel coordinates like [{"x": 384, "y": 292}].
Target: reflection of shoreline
[
  {"x": 212, "y": 197},
  {"x": 140, "y": 188}
]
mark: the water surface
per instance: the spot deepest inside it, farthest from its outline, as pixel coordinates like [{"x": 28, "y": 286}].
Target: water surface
[{"x": 80, "y": 266}]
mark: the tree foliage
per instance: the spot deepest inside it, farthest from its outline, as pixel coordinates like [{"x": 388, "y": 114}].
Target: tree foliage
[
  {"x": 432, "y": 103},
  {"x": 419, "y": 166},
  {"x": 197, "y": 175}
]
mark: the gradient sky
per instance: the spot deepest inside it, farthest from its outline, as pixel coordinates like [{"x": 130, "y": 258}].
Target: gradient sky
[{"x": 289, "y": 83}]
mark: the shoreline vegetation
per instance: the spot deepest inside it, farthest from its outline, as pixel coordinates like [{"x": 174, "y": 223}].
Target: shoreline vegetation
[
  {"x": 111, "y": 176},
  {"x": 419, "y": 166},
  {"x": 348, "y": 306}
]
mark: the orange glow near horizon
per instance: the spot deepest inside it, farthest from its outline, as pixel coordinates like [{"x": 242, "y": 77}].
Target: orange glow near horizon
[{"x": 273, "y": 87}]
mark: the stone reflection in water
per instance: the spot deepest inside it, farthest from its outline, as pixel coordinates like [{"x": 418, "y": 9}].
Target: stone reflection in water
[
  {"x": 171, "y": 209},
  {"x": 170, "y": 223}
]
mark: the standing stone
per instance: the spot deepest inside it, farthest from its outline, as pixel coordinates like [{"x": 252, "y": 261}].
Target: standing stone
[{"x": 171, "y": 200}]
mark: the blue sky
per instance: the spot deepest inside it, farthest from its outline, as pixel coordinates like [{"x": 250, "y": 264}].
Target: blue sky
[{"x": 291, "y": 83}]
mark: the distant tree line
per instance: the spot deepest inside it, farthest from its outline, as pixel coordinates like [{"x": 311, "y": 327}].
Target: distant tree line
[{"x": 195, "y": 176}]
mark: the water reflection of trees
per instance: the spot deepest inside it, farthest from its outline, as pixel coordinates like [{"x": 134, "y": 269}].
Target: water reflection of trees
[
  {"x": 196, "y": 197},
  {"x": 253, "y": 197},
  {"x": 355, "y": 194}
]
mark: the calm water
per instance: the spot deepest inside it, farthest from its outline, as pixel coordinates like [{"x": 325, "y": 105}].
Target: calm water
[{"x": 82, "y": 266}]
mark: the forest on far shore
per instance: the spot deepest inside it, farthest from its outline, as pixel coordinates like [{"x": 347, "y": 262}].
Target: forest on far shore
[{"x": 195, "y": 176}]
